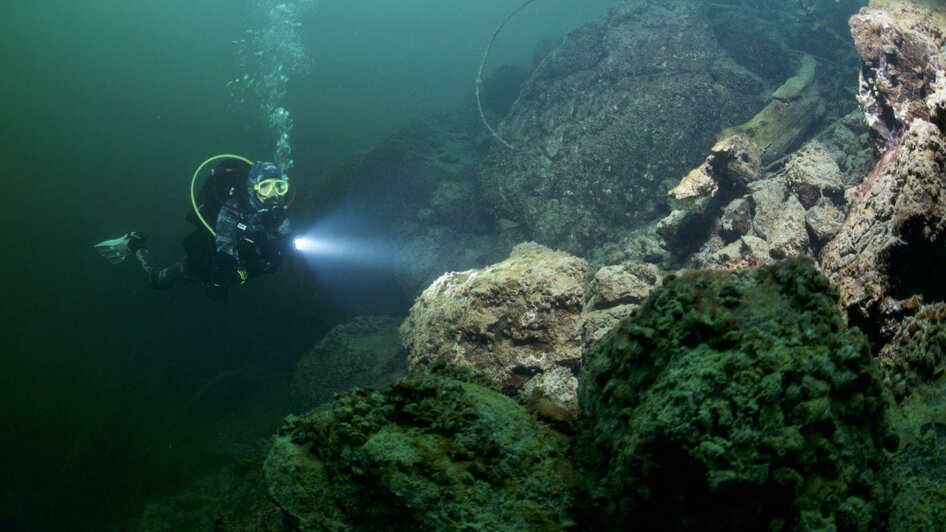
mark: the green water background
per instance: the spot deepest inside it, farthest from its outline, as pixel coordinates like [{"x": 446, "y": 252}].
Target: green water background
[{"x": 111, "y": 394}]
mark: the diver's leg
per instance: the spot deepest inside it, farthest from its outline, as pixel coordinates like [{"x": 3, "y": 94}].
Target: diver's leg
[{"x": 171, "y": 277}]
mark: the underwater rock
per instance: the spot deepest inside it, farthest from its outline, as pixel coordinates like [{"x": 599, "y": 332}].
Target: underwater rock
[
  {"x": 512, "y": 320},
  {"x": 917, "y": 353},
  {"x": 793, "y": 212},
  {"x": 365, "y": 351},
  {"x": 779, "y": 217},
  {"x": 847, "y": 141},
  {"x": 902, "y": 46},
  {"x": 596, "y": 323},
  {"x": 736, "y": 220},
  {"x": 812, "y": 174},
  {"x": 624, "y": 103},
  {"x": 732, "y": 165},
  {"x": 552, "y": 395},
  {"x": 745, "y": 252},
  {"x": 795, "y": 110},
  {"x": 824, "y": 221},
  {"x": 624, "y": 283},
  {"x": 892, "y": 245},
  {"x": 735, "y": 401},
  {"x": 432, "y": 451}
]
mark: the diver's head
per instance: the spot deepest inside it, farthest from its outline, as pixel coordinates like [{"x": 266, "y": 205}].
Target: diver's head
[{"x": 267, "y": 182}]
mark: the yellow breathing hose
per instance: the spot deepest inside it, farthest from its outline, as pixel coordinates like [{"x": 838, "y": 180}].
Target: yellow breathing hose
[{"x": 194, "y": 180}]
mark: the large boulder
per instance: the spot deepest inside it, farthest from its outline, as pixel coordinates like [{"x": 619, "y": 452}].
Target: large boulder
[
  {"x": 625, "y": 103},
  {"x": 513, "y": 320},
  {"x": 735, "y": 401},
  {"x": 435, "y": 450}
]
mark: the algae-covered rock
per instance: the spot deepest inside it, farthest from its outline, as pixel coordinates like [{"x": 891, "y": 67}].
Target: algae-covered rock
[
  {"x": 434, "y": 450},
  {"x": 735, "y": 401},
  {"x": 512, "y": 320},
  {"x": 917, "y": 353},
  {"x": 919, "y": 468},
  {"x": 365, "y": 351},
  {"x": 795, "y": 109}
]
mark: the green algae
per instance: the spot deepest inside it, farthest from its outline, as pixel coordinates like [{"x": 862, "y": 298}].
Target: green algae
[
  {"x": 735, "y": 400},
  {"x": 438, "y": 450}
]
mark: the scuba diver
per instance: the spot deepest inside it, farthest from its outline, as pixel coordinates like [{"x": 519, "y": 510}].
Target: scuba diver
[{"x": 248, "y": 234}]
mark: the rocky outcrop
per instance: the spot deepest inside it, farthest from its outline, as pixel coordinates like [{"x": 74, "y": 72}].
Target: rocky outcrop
[
  {"x": 365, "y": 351},
  {"x": 513, "y": 320},
  {"x": 624, "y": 103},
  {"x": 735, "y": 401},
  {"x": 891, "y": 247},
  {"x": 732, "y": 165},
  {"x": 889, "y": 253},
  {"x": 848, "y": 142},
  {"x": 431, "y": 451},
  {"x": 901, "y": 44},
  {"x": 738, "y": 218},
  {"x": 524, "y": 322}
]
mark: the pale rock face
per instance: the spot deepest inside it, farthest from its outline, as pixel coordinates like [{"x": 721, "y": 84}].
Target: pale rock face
[
  {"x": 890, "y": 245},
  {"x": 624, "y": 283},
  {"x": 512, "y": 321},
  {"x": 824, "y": 221},
  {"x": 812, "y": 174},
  {"x": 902, "y": 49},
  {"x": 559, "y": 385}
]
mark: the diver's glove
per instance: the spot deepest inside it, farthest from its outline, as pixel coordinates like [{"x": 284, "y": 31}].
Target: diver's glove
[{"x": 227, "y": 270}]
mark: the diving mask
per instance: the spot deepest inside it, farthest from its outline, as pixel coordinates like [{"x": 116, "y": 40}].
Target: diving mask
[{"x": 268, "y": 188}]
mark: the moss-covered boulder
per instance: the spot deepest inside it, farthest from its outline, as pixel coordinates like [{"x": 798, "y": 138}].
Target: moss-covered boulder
[
  {"x": 917, "y": 354},
  {"x": 918, "y": 472},
  {"x": 736, "y": 400},
  {"x": 436, "y": 450}
]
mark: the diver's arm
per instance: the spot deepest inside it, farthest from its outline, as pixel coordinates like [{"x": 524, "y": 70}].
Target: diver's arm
[
  {"x": 278, "y": 245},
  {"x": 228, "y": 261}
]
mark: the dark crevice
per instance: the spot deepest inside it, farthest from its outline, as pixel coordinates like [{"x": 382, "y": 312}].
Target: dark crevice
[{"x": 915, "y": 268}]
